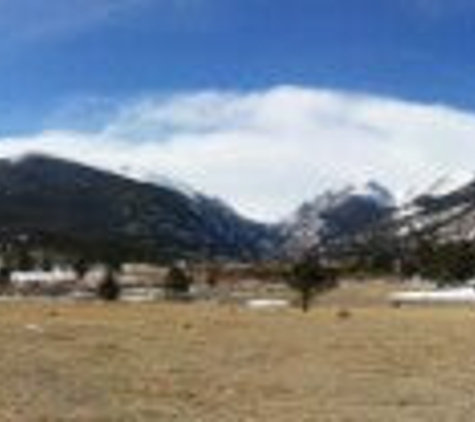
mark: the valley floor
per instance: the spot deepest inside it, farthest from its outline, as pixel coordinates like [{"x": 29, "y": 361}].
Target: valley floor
[{"x": 222, "y": 363}]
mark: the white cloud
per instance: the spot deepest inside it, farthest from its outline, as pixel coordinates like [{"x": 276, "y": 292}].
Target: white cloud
[{"x": 266, "y": 151}]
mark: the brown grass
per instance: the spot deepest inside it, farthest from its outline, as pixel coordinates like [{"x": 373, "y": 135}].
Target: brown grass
[{"x": 211, "y": 363}]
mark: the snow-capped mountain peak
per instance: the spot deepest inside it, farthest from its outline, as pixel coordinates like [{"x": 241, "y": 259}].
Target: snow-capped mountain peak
[
  {"x": 336, "y": 213},
  {"x": 374, "y": 191}
]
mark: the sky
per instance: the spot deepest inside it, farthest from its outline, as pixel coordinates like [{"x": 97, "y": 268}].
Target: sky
[{"x": 263, "y": 103}]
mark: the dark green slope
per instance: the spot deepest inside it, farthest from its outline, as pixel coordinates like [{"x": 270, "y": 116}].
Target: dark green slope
[{"x": 66, "y": 205}]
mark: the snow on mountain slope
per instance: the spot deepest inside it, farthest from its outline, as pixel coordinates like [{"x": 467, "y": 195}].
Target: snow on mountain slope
[{"x": 335, "y": 214}]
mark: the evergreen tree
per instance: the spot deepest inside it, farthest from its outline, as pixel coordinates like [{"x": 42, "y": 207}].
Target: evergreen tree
[
  {"x": 178, "y": 282},
  {"x": 309, "y": 278},
  {"x": 446, "y": 263},
  {"x": 109, "y": 289}
]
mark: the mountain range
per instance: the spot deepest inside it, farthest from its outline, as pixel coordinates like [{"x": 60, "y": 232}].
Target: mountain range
[
  {"x": 56, "y": 204},
  {"x": 65, "y": 205}
]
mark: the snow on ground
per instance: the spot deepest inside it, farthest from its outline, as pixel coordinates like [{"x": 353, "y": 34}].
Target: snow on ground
[
  {"x": 464, "y": 294},
  {"x": 267, "y": 303}
]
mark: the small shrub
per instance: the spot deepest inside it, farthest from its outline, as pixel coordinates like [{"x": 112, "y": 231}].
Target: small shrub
[
  {"x": 109, "y": 289},
  {"x": 5, "y": 273},
  {"x": 81, "y": 267},
  {"x": 177, "y": 283}
]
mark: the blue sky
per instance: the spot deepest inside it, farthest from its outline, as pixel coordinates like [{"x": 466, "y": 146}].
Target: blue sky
[
  {"x": 81, "y": 68},
  {"x": 61, "y": 51}
]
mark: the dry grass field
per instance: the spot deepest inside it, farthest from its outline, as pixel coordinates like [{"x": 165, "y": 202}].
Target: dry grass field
[{"x": 220, "y": 363}]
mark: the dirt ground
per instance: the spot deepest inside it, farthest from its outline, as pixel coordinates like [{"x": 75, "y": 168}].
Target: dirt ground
[{"x": 220, "y": 363}]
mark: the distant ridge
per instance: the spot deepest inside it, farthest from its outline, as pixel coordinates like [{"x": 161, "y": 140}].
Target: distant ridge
[{"x": 70, "y": 206}]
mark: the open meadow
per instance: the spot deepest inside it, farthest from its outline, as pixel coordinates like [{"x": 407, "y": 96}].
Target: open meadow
[{"x": 218, "y": 363}]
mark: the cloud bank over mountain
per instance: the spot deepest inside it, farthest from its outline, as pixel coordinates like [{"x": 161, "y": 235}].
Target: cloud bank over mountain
[{"x": 265, "y": 151}]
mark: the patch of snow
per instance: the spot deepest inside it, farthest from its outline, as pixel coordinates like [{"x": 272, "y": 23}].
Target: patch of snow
[
  {"x": 39, "y": 276},
  {"x": 267, "y": 303},
  {"x": 448, "y": 295}
]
